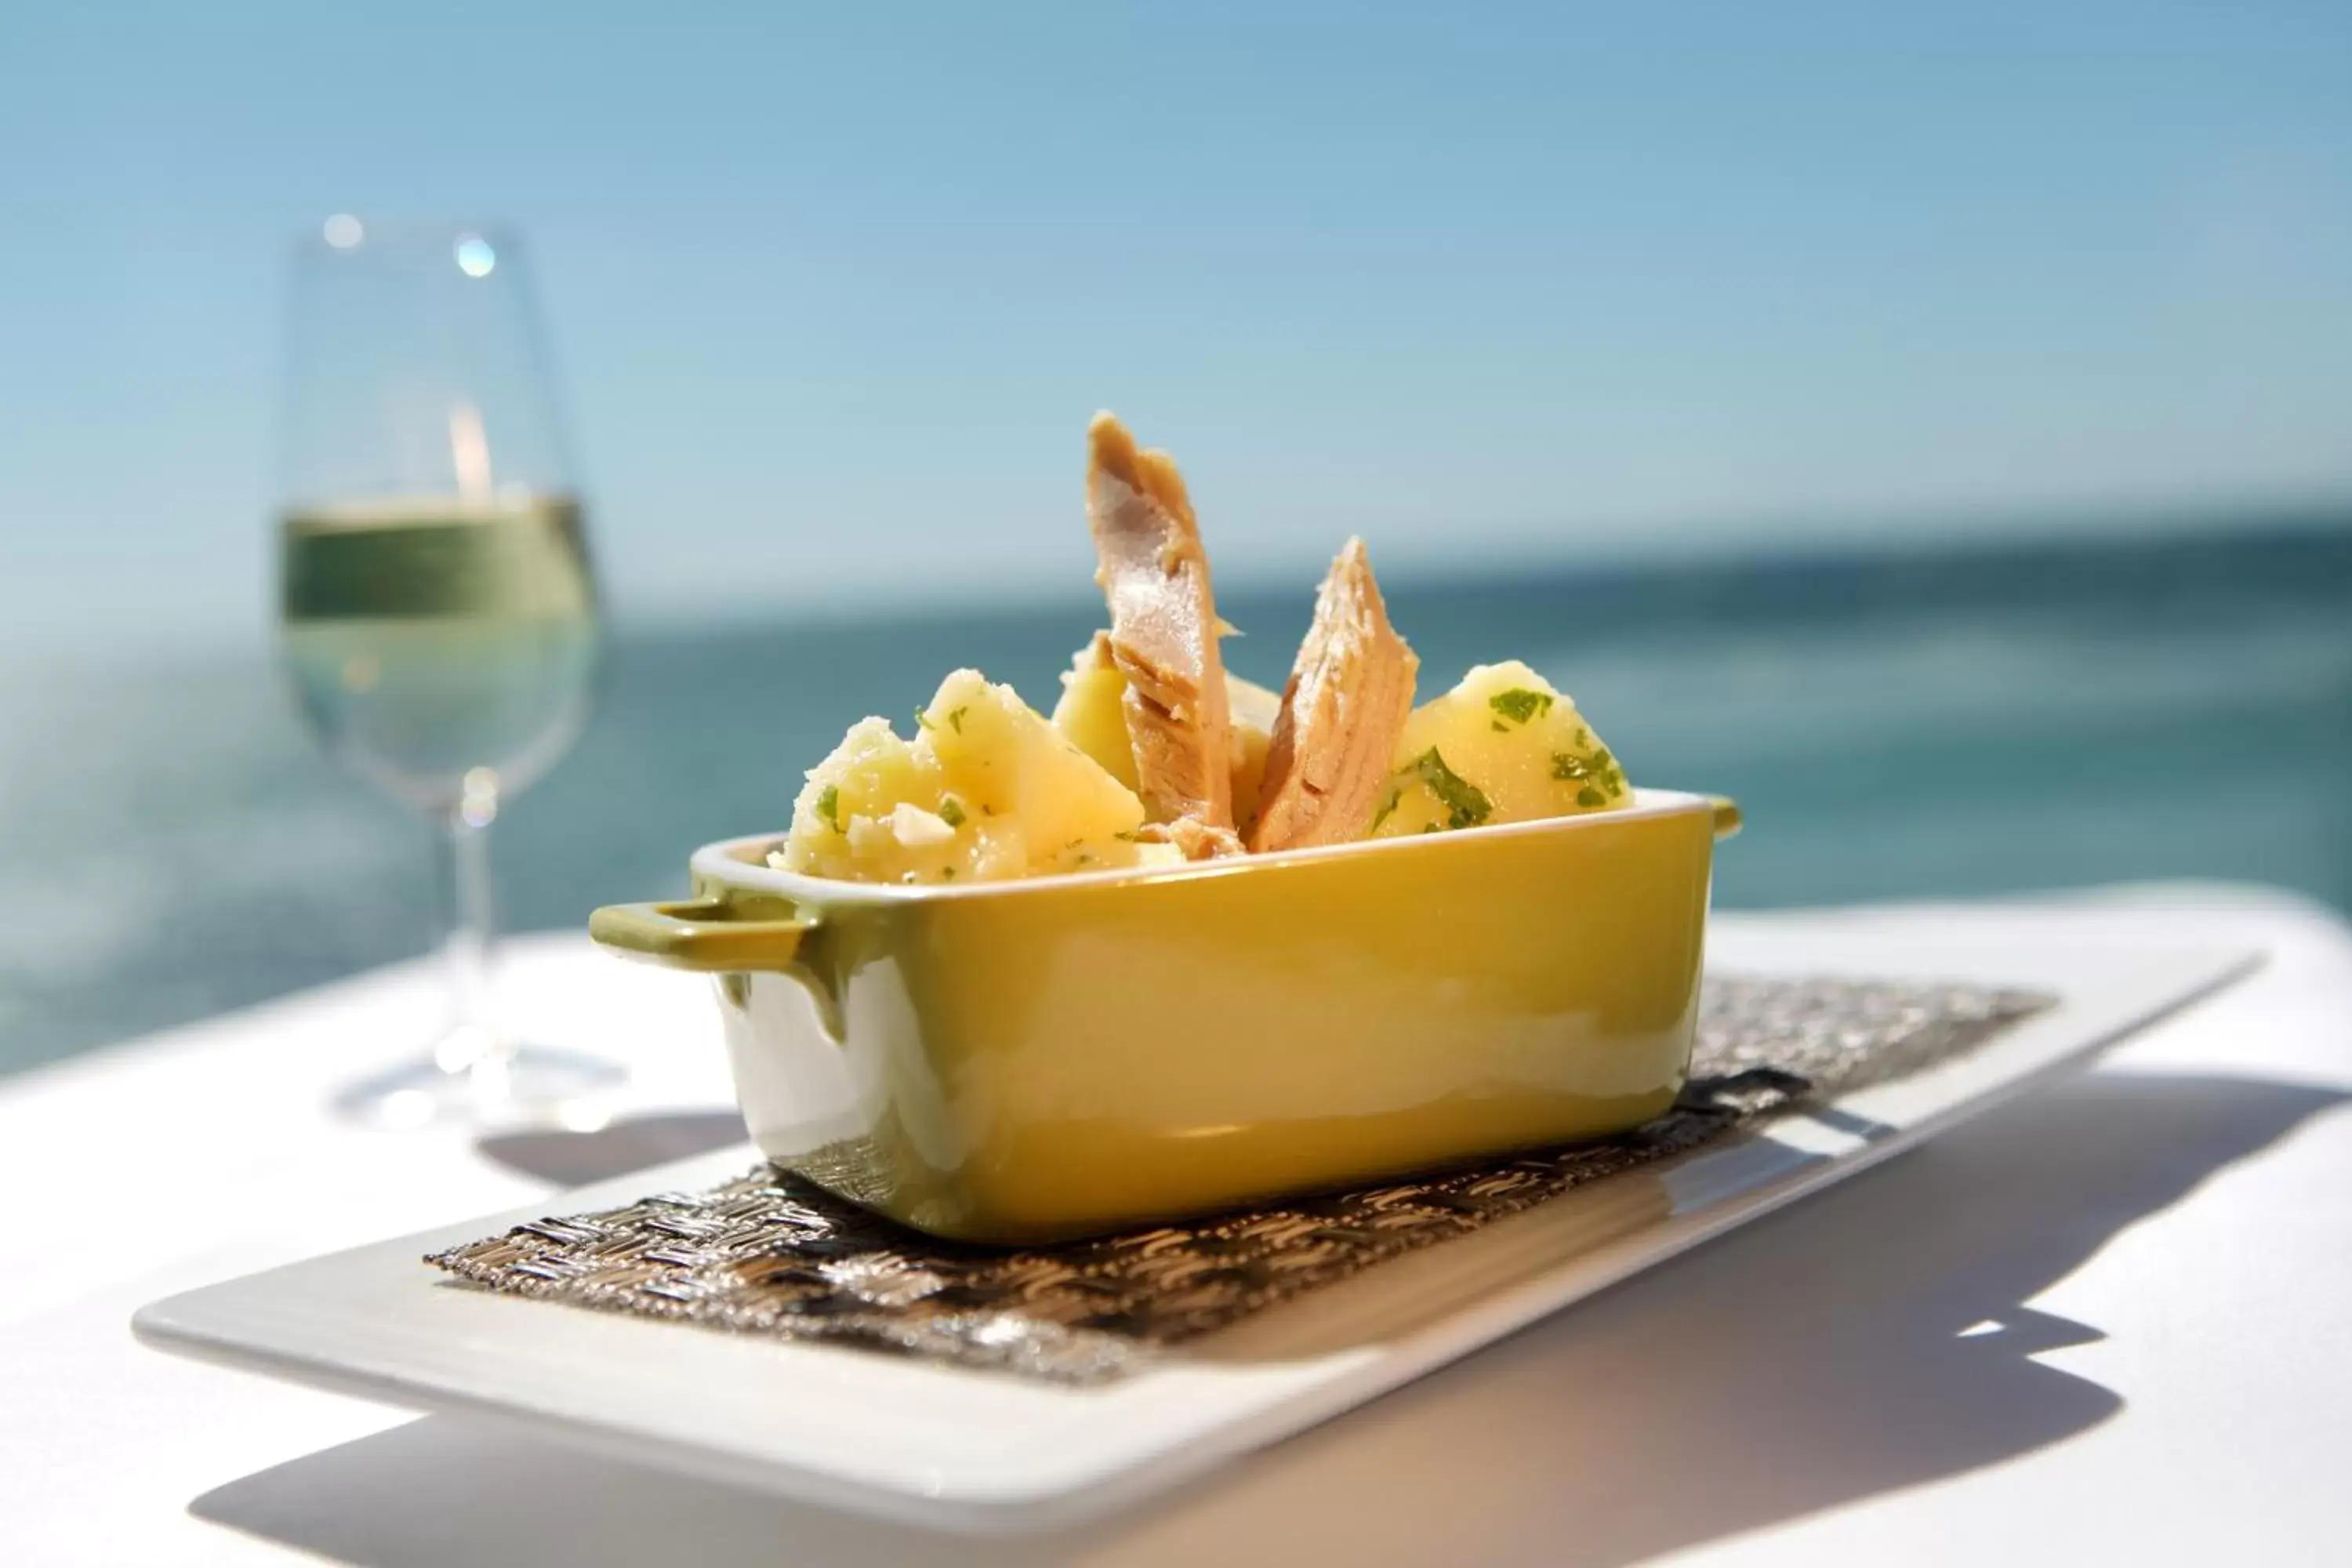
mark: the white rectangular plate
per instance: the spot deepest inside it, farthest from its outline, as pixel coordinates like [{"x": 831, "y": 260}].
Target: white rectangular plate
[{"x": 991, "y": 1452}]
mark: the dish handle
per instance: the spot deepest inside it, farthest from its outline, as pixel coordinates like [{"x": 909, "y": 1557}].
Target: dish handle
[
  {"x": 705, "y": 935},
  {"x": 1727, "y": 819}
]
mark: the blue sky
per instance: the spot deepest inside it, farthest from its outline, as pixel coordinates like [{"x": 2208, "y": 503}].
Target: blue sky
[{"x": 835, "y": 291}]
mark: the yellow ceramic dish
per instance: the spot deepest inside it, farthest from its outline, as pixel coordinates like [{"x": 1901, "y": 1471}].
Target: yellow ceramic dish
[{"x": 1029, "y": 1060}]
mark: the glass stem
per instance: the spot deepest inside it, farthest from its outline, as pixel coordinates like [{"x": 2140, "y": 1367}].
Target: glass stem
[{"x": 475, "y": 1044}]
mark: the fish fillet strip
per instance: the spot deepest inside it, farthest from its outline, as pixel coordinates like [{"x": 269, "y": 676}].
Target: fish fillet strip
[
  {"x": 1343, "y": 714},
  {"x": 1163, "y": 637}
]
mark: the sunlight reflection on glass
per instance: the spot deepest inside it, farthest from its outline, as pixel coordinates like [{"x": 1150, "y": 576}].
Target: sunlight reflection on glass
[{"x": 476, "y": 256}]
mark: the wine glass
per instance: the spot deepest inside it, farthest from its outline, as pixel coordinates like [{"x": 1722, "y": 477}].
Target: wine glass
[{"x": 438, "y": 613}]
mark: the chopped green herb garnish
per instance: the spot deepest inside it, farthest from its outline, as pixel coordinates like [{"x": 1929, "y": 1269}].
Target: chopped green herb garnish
[
  {"x": 1466, "y": 804},
  {"x": 955, "y": 719},
  {"x": 1387, "y": 807},
  {"x": 922, "y": 720},
  {"x": 1520, "y": 703},
  {"x": 951, "y": 812},
  {"x": 947, "y": 873},
  {"x": 1124, "y": 836},
  {"x": 828, "y": 805},
  {"x": 1500, "y": 728},
  {"x": 1599, "y": 773},
  {"x": 1611, "y": 776},
  {"x": 1085, "y": 861},
  {"x": 1429, "y": 827}
]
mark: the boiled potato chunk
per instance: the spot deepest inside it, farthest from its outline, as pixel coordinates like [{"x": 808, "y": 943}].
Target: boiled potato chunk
[
  {"x": 1092, "y": 715},
  {"x": 986, "y": 790},
  {"x": 1502, "y": 746},
  {"x": 1253, "y": 709}
]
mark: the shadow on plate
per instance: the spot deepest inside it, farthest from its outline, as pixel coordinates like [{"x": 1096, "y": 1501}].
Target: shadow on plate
[
  {"x": 1869, "y": 1339},
  {"x": 576, "y": 1159}
]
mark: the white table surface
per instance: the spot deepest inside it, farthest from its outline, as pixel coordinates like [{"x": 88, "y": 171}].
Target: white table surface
[{"x": 2110, "y": 1323}]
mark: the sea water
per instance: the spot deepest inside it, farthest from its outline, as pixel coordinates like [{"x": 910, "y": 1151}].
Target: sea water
[{"x": 171, "y": 843}]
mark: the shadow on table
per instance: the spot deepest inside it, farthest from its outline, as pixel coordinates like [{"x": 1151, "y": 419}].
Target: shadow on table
[
  {"x": 576, "y": 1159},
  {"x": 1870, "y": 1338}
]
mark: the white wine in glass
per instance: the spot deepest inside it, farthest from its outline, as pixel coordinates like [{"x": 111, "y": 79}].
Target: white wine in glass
[{"x": 439, "y": 611}]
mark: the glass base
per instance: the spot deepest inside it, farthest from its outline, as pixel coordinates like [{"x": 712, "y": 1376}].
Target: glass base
[{"x": 529, "y": 1085}]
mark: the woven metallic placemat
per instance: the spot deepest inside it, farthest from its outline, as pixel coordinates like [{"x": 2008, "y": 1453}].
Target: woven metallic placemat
[{"x": 768, "y": 1253}]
